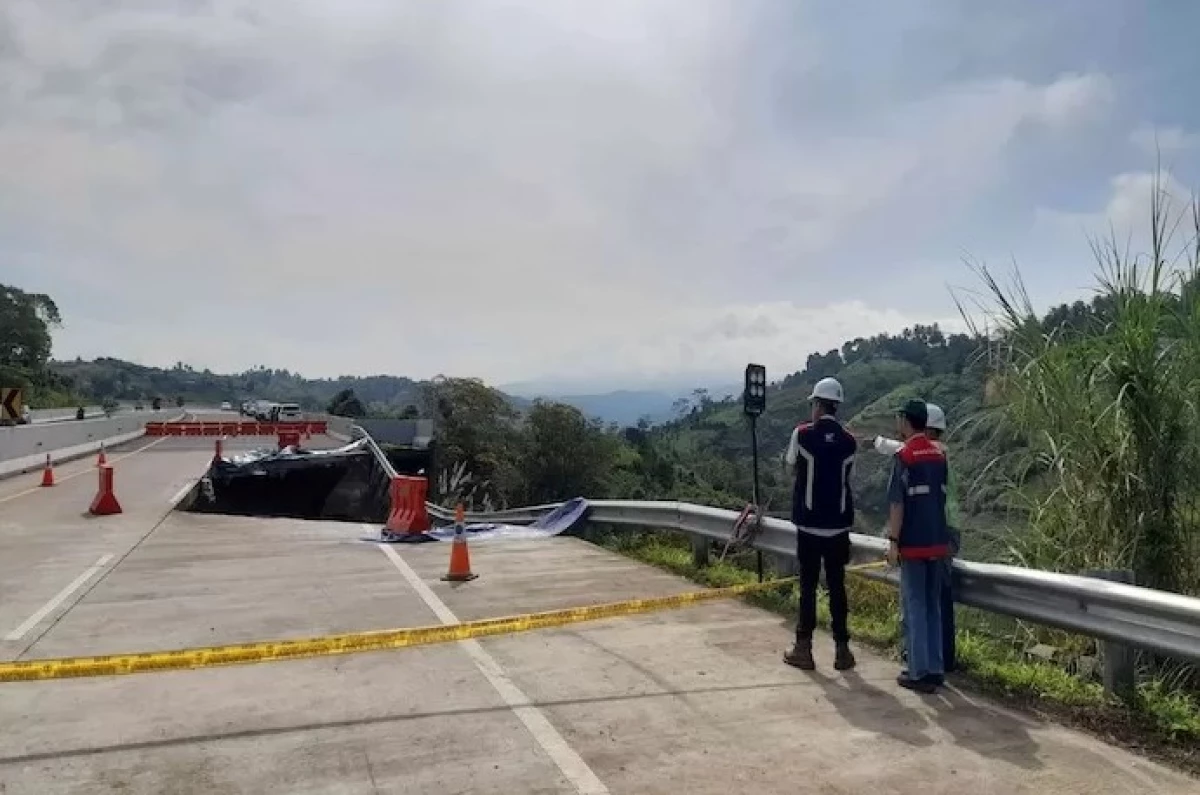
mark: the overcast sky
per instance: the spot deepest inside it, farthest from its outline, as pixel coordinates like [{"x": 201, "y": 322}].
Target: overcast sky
[{"x": 609, "y": 192}]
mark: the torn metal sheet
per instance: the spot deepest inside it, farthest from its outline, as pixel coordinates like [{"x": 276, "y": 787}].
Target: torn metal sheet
[
  {"x": 270, "y": 457},
  {"x": 558, "y": 521}
]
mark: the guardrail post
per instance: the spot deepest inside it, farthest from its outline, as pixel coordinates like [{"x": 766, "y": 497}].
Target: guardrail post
[
  {"x": 700, "y": 550},
  {"x": 786, "y": 565},
  {"x": 1118, "y": 669}
]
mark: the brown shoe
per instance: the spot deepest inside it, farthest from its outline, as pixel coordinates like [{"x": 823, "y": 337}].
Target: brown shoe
[
  {"x": 800, "y": 656},
  {"x": 843, "y": 658}
]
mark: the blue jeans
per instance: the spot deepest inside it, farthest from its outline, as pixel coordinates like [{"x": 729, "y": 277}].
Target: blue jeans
[
  {"x": 921, "y": 585},
  {"x": 949, "y": 630}
]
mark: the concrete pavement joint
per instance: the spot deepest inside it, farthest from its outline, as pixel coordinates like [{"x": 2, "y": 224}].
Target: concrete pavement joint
[
  {"x": 569, "y": 762},
  {"x": 159, "y": 523},
  {"x": 384, "y": 720},
  {"x": 57, "y": 599}
]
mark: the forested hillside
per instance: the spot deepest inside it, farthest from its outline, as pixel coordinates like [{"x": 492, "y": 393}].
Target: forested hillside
[{"x": 121, "y": 380}]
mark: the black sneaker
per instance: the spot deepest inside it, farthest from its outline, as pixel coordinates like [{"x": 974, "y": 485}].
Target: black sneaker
[
  {"x": 800, "y": 656},
  {"x": 935, "y": 679},
  {"x": 843, "y": 658},
  {"x": 919, "y": 685}
]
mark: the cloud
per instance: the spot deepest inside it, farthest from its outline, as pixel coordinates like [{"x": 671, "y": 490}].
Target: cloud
[
  {"x": 620, "y": 188},
  {"x": 1165, "y": 140},
  {"x": 1126, "y": 213}
]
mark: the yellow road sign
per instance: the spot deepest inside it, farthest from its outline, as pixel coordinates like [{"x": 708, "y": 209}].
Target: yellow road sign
[{"x": 10, "y": 403}]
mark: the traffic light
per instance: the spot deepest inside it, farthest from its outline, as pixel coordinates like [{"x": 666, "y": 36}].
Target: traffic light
[{"x": 754, "y": 396}]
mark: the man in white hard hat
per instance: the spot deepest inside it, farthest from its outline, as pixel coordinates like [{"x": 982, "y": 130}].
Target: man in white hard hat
[
  {"x": 821, "y": 453},
  {"x": 935, "y": 428}
]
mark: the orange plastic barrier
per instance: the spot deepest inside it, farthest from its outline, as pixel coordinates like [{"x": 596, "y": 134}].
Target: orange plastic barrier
[
  {"x": 408, "y": 513},
  {"x": 289, "y": 439},
  {"x": 234, "y": 428}
]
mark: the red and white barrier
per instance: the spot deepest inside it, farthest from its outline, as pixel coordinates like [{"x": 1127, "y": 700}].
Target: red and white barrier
[
  {"x": 408, "y": 514},
  {"x": 217, "y": 428}
]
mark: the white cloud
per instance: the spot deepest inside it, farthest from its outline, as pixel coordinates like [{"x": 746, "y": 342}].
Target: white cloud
[
  {"x": 1076, "y": 97},
  {"x": 1165, "y": 140},
  {"x": 468, "y": 187},
  {"x": 1125, "y": 216}
]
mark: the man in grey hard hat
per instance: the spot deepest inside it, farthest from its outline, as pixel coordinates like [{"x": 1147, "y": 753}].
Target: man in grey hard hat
[
  {"x": 821, "y": 453},
  {"x": 935, "y": 428}
]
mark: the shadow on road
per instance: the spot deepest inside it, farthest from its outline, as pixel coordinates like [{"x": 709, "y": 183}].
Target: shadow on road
[
  {"x": 872, "y": 709},
  {"x": 989, "y": 732}
]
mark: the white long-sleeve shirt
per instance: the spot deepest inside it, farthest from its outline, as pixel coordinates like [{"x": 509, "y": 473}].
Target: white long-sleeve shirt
[{"x": 886, "y": 446}]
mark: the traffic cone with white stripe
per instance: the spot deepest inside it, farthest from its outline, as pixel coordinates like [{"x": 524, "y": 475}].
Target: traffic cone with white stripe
[
  {"x": 103, "y": 459},
  {"x": 48, "y": 472},
  {"x": 460, "y": 557}
]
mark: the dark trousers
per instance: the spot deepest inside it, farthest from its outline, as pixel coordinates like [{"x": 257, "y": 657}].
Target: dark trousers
[
  {"x": 834, "y": 552},
  {"x": 948, "y": 628}
]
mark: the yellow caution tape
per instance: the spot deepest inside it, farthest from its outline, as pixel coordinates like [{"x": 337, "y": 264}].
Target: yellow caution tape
[
  {"x": 377, "y": 640},
  {"x": 208, "y": 657}
]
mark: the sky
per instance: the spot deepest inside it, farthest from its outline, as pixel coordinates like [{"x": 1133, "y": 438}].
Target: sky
[{"x": 568, "y": 193}]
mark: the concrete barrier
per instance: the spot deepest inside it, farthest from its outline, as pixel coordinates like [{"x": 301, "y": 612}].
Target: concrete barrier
[
  {"x": 337, "y": 427},
  {"x": 23, "y": 448},
  {"x": 63, "y": 414}
]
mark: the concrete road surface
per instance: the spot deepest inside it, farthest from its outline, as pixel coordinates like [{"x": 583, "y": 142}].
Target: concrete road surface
[{"x": 690, "y": 701}]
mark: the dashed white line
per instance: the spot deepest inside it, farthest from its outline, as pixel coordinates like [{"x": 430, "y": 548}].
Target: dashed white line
[
  {"x": 582, "y": 777},
  {"x": 58, "y": 599}
]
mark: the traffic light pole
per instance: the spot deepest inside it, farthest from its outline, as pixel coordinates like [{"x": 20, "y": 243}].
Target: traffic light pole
[
  {"x": 754, "y": 403},
  {"x": 758, "y": 556}
]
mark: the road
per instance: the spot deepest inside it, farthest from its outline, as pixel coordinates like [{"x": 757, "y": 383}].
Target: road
[{"x": 688, "y": 701}]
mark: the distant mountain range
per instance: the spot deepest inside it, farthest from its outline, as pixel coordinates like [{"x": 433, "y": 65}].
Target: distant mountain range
[{"x": 627, "y": 406}]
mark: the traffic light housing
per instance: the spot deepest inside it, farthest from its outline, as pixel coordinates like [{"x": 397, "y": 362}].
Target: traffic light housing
[{"x": 754, "y": 396}]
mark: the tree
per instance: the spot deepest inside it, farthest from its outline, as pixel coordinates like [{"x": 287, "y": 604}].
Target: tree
[
  {"x": 346, "y": 404},
  {"x": 25, "y": 322},
  {"x": 410, "y": 412},
  {"x": 478, "y": 436},
  {"x": 564, "y": 454},
  {"x": 25, "y": 342}
]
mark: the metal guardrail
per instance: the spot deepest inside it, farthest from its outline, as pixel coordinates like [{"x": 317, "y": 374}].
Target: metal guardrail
[
  {"x": 1142, "y": 618},
  {"x": 380, "y": 457}
]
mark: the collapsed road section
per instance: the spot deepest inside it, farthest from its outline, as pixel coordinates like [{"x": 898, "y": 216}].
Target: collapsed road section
[
  {"x": 352, "y": 483},
  {"x": 294, "y": 482}
]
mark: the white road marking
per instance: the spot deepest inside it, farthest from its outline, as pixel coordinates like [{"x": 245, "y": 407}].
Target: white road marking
[
  {"x": 179, "y": 495},
  {"x": 58, "y": 599},
  {"x": 582, "y": 777}
]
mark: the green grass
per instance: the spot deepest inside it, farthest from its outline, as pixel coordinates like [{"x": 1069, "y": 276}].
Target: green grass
[{"x": 990, "y": 656}]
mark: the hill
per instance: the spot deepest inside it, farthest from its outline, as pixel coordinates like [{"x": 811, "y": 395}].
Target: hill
[
  {"x": 712, "y": 441},
  {"x": 112, "y": 378},
  {"x": 623, "y": 406}
]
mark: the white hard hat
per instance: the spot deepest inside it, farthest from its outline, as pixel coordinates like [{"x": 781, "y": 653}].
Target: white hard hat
[
  {"x": 937, "y": 417},
  {"x": 827, "y": 389}
]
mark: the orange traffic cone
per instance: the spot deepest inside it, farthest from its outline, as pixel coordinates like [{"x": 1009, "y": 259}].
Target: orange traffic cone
[
  {"x": 460, "y": 558},
  {"x": 48, "y": 473},
  {"x": 103, "y": 459}
]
